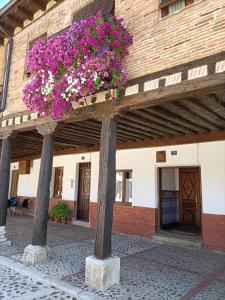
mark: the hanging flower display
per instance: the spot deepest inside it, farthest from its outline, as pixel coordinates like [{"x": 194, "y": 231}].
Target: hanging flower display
[{"x": 87, "y": 58}]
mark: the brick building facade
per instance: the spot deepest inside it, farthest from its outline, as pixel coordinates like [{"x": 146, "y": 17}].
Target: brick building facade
[{"x": 178, "y": 53}]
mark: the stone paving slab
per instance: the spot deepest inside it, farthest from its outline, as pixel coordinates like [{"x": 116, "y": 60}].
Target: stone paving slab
[
  {"x": 149, "y": 270},
  {"x": 15, "y": 286}
]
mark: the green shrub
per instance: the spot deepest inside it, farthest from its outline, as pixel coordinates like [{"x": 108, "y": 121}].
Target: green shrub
[{"x": 60, "y": 210}]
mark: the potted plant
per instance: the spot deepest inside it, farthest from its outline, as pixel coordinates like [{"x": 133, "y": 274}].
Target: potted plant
[
  {"x": 50, "y": 216},
  {"x": 60, "y": 212}
]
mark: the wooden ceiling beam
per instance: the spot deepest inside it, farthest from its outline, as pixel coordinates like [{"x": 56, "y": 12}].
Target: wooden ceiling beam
[
  {"x": 178, "y": 109},
  {"x": 147, "y": 125},
  {"x": 6, "y": 30},
  {"x": 23, "y": 13},
  {"x": 14, "y": 21},
  {"x": 165, "y": 114},
  {"x": 140, "y": 126},
  {"x": 37, "y": 4},
  {"x": 214, "y": 104},
  {"x": 157, "y": 124},
  {"x": 198, "y": 109}
]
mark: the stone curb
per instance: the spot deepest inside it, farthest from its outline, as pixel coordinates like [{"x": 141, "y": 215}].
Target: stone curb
[{"x": 36, "y": 275}]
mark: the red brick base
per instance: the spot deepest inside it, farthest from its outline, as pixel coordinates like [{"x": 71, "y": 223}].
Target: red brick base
[
  {"x": 214, "y": 231},
  {"x": 130, "y": 219},
  {"x": 52, "y": 202}
]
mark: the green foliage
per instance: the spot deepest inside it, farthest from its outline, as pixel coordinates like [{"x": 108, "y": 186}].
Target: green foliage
[{"x": 60, "y": 210}]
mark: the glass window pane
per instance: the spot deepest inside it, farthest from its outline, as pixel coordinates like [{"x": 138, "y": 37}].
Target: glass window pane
[
  {"x": 128, "y": 181},
  {"x": 178, "y": 5},
  {"x": 119, "y": 186}
]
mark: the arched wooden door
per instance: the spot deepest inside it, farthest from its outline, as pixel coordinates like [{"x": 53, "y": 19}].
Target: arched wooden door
[
  {"x": 190, "y": 200},
  {"x": 83, "y": 201}
]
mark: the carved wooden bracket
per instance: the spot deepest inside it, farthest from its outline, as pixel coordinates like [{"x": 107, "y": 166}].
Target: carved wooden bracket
[
  {"x": 47, "y": 128},
  {"x": 7, "y": 133}
]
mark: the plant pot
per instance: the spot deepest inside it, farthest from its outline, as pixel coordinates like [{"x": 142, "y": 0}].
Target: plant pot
[
  {"x": 64, "y": 220},
  {"x": 57, "y": 220}
]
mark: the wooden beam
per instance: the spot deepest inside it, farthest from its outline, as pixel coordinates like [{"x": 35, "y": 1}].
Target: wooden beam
[
  {"x": 106, "y": 189},
  {"x": 188, "y": 88},
  {"x": 198, "y": 109},
  {"x": 23, "y": 13},
  {"x": 38, "y": 4},
  {"x": 171, "y": 117},
  {"x": 39, "y": 237},
  {"x": 4, "y": 177},
  {"x": 147, "y": 143},
  {"x": 136, "y": 124},
  {"x": 165, "y": 122},
  {"x": 155, "y": 123},
  {"x": 16, "y": 22},
  {"x": 179, "y": 110},
  {"x": 214, "y": 104}
]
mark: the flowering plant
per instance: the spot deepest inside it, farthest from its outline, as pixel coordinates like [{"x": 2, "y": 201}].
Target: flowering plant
[{"x": 75, "y": 64}]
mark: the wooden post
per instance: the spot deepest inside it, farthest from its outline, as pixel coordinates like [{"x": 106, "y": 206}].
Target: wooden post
[
  {"x": 106, "y": 188},
  {"x": 4, "y": 176},
  {"x": 39, "y": 237}
]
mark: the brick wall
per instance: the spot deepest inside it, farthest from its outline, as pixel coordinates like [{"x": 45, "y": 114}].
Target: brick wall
[
  {"x": 197, "y": 31},
  {"x": 2, "y": 59},
  {"x": 52, "y": 202},
  {"x": 213, "y": 227},
  {"x": 135, "y": 220}
]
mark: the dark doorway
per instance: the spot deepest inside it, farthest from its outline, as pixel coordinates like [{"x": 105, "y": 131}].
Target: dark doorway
[
  {"x": 83, "y": 201},
  {"x": 180, "y": 201},
  {"x": 14, "y": 183}
]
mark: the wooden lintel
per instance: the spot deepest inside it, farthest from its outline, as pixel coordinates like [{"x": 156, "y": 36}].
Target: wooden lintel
[{"x": 189, "y": 88}]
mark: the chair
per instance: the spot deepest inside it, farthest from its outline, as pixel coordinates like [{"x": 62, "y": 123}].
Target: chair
[
  {"x": 24, "y": 206},
  {"x": 13, "y": 204}
]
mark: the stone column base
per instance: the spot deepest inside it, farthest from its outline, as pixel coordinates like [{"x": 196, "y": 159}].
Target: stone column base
[
  {"x": 3, "y": 238},
  {"x": 102, "y": 273},
  {"x": 35, "y": 254}
]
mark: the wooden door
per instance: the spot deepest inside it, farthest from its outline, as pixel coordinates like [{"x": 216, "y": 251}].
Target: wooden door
[
  {"x": 83, "y": 201},
  {"x": 190, "y": 202},
  {"x": 14, "y": 183}
]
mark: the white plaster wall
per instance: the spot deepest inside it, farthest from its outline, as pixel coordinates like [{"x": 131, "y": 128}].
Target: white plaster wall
[
  {"x": 209, "y": 156},
  {"x": 212, "y": 159}
]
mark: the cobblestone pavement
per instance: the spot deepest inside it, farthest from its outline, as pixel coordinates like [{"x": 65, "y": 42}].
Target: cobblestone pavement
[{"x": 149, "y": 270}]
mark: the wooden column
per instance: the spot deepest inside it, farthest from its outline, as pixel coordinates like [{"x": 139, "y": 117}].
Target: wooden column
[
  {"x": 106, "y": 188},
  {"x": 39, "y": 237},
  {"x": 4, "y": 176}
]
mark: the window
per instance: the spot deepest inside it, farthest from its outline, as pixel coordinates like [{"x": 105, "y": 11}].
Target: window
[
  {"x": 124, "y": 187},
  {"x": 169, "y": 7},
  {"x": 58, "y": 182},
  {"x": 30, "y": 45},
  {"x": 108, "y": 6}
]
